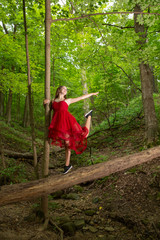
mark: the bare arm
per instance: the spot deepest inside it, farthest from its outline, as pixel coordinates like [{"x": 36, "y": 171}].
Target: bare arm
[
  {"x": 46, "y": 101},
  {"x": 73, "y": 100}
]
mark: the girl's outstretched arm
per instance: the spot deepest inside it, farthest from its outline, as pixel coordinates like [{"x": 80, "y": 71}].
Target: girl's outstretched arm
[{"x": 73, "y": 100}]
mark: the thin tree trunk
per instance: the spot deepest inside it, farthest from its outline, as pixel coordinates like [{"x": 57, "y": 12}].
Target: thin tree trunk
[
  {"x": 30, "y": 95},
  {"x": 84, "y": 82},
  {"x": 1, "y": 100},
  {"x": 18, "y": 106},
  {"x": 54, "y": 73},
  {"x": 85, "y": 89},
  {"x": 26, "y": 120},
  {"x": 2, "y": 157},
  {"x": 151, "y": 125},
  {"x": 9, "y": 103},
  {"x": 9, "y": 107},
  {"x": 1, "y": 104},
  {"x": 45, "y": 170}
]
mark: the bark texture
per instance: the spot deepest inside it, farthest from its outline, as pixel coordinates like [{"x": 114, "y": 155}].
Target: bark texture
[
  {"x": 148, "y": 103},
  {"x": 27, "y": 191},
  {"x": 2, "y": 157},
  {"x": 54, "y": 73},
  {"x": 18, "y": 106},
  {"x": 146, "y": 83},
  {"x": 9, "y": 107},
  {"x": 30, "y": 94},
  {"x": 1, "y": 104},
  {"x": 85, "y": 89},
  {"x": 45, "y": 170},
  {"x": 26, "y": 120},
  {"x": 84, "y": 81},
  {"x": 9, "y": 104}
]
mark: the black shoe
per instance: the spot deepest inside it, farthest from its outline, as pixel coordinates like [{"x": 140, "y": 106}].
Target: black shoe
[
  {"x": 67, "y": 169},
  {"x": 88, "y": 114}
]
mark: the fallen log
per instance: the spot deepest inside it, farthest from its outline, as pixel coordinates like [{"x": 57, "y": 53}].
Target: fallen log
[
  {"x": 34, "y": 189},
  {"x": 16, "y": 155},
  {"x": 27, "y": 155}
]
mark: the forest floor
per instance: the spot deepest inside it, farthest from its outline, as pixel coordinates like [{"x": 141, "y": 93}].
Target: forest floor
[{"x": 122, "y": 206}]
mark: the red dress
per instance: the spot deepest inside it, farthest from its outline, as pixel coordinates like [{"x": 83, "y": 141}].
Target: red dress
[{"x": 64, "y": 127}]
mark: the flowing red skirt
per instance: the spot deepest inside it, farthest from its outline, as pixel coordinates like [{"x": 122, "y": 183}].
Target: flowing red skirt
[{"x": 65, "y": 130}]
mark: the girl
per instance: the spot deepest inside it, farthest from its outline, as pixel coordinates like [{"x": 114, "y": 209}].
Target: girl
[{"x": 64, "y": 130}]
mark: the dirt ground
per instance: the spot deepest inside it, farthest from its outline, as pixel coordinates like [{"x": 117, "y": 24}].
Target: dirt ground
[{"x": 123, "y": 206}]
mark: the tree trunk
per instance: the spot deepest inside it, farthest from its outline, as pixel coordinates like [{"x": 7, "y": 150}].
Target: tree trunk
[
  {"x": 151, "y": 125},
  {"x": 45, "y": 170},
  {"x": 155, "y": 82},
  {"x": 26, "y": 191},
  {"x": 1, "y": 104},
  {"x": 9, "y": 107},
  {"x": 30, "y": 94},
  {"x": 54, "y": 73},
  {"x": 85, "y": 89},
  {"x": 26, "y": 120},
  {"x": 148, "y": 103},
  {"x": 2, "y": 157},
  {"x": 18, "y": 106},
  {"x": 9, "y": 104},
  {"x": 84, "y": 81},
  {"x": 1, "y": 99}
]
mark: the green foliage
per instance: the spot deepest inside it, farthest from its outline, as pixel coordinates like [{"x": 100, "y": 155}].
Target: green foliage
[
  {"x": 14, "y": 172},
  {"x": 78, "y": 188},
  {"x": 97, "y": 159},
  {"x": 132, "y": 170},
  {"x": 125, "y": 114},
  {"x": 15, "y": 135},
  {"x": 53, "y": 205},
  {"x": 107, "y": 178}
]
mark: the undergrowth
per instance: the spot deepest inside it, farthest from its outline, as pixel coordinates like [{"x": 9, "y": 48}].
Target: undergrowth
[{"x": 14, "y": 172}]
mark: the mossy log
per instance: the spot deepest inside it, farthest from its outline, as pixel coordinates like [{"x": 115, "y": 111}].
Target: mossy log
[
  {"x": 38, "y": 188},
  {"x": 27, "y": 155},
  {"x": 15, "y": 155}
]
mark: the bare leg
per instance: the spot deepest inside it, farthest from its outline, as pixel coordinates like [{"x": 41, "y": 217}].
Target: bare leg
[
  {"x": 68, "y": 156},
  {"x": 88, "y": 124}
]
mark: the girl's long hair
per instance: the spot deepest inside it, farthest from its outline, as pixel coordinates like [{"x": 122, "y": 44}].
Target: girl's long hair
[{"x": 58, "y": 92}]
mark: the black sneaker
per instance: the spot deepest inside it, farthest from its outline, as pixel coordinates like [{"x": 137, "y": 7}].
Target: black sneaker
[
  {"x": 67, "y": 169},
  {"x": 88, "y": 114}
]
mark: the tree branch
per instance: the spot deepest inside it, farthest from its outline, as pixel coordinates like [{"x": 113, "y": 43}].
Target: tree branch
[
  {"x": 115, "y": 26},
  {"x": 5, "y": 29},
  {"x": 127, "y": 76},
  {"x": 98, "y": 29},
  {"x": 15, "y": 28},
  {"x": 94, "y": 14},
  {"x": 72, "y": 8}
]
